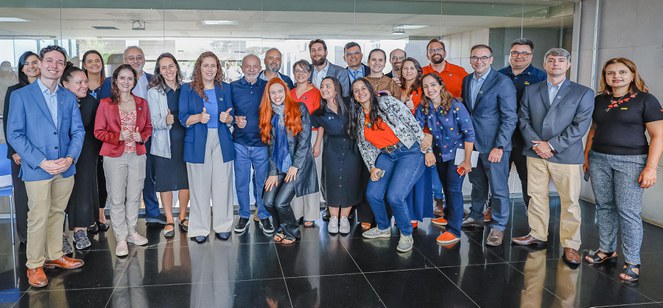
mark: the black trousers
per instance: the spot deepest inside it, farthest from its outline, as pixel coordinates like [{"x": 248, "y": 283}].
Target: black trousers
[
  {"x": 277, "y": 202},
  {"x": 520, "y": 160},
  {"x": 20, "y": 203}
]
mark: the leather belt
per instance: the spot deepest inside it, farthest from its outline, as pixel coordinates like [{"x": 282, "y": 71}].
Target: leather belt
[{"x": 391, "y": 148}]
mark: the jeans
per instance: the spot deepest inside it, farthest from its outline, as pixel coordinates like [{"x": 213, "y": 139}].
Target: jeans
[
  {"x": 452, "y": 183},
  {"x": 245, "y": 158},
  {"x": 618, "y": 201},
  {"x": 438, "y": 192},
  {"x": 402, "y": 169},
  {"x": 493, "y": 177},
  {"x": 277, "y": 202},
  {"x": 149, "y": 194}
]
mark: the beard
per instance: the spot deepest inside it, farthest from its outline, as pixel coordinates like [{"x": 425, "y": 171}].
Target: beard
[
  {"x": 318, "y": 62},
  {"x": 437, "y": 59}
]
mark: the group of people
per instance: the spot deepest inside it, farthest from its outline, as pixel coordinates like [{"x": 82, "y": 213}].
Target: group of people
[{"x": 390, "y": 145}]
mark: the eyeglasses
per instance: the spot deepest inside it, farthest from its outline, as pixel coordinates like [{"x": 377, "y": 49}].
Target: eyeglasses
[
  {"x": 301, "y": 72},
  {"x": 397, "y": 58},
  {"x": 353, "y": 53},
  {"x": 482, "y": 59},
  {"x": 523, "y": 54},
  {"x": 435, "y": 50},
  {"x": 137, "y": 58}
]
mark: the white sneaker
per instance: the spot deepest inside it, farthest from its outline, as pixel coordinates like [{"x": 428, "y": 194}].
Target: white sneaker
[
  {"x": 136, "y": 239},
  {"x": 377, "y": 233},
  {"x": 332, "y": 225},
  {"x": 405, "y": 243},
  {"x": 121, "y": 249},
  {"x": 344, "y": 228}
]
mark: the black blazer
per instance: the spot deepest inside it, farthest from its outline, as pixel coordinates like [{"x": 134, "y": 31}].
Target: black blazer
[{"x": 5, "y": 115}]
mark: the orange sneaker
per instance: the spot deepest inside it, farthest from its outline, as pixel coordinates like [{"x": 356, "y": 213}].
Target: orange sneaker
[
  {"x": 440, "y": 221},
  {"x": 415, "y": 224},
  {"x": 487, "y": 215},
  {"x": 447, "y": 238}
]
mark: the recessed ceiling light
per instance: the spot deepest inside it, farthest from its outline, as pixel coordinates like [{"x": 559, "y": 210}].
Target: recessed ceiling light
[
  {"x": 105, "y": 28},
  {"x": 220, "y": 22},
  {"x": 12, "y": 19},
  {"x": 413, "y": 27}
]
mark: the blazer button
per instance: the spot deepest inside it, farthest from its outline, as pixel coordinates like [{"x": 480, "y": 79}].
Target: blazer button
[
  {"x": 55, "y": 133},
  {"x": 56, "y": 148}
]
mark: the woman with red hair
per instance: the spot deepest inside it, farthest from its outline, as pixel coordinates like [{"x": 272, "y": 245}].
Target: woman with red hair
[{"x": 285, "y": 126}]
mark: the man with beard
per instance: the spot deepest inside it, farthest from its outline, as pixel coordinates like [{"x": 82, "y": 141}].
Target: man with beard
[
  {"x": 451, "y": 74},
  {"x": 396, "y": 58},
  {"x": 273, "y": 66},
  {"x": 323, "y": 68}
]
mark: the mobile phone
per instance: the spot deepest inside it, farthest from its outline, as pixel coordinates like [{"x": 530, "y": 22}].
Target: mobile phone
[
  {"x": 460, "y": 171},
  {"x": 380, "y": 173},
  {"x": 382, "y": 93}
]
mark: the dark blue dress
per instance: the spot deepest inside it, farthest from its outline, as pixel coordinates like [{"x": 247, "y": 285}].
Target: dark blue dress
[{"x": 170, "y": 173}]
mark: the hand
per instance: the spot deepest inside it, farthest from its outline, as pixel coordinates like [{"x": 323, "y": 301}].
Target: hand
[
  {"x": 16, "y": 158},
  {"x": 316, "y": 150},
  {"x": 647, "y": 177},
  {"x": 495, "y": 155},
  {"x": 53, "y": 167},
  {"x": 272, "y": 181},
  {"x": 225, "y": 116},
  {"x": 375, "y": 174},
  {"x": 542, "y": 148},
  {"x": 428, "y": 141},
  {"x": 65, "y": 163},
  {"x": 409, "y": 103},
  {"x": 466, "y": 165},
  {"x": 291, "y": 175},
  {"x": 585, "y": 166},
  {"x": 204, "y": 116},
  {"x": 429, "y": 158},
  {"x": 170, "y": 119},
  {"x": 125, "y": 136},
  {"x": 396, "y": 80},
  {"x": 135, "y": 136},
  {"x": 240, "y": 121}
]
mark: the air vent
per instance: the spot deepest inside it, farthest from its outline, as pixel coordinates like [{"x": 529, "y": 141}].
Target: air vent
[{"x": 105, "y": 28}]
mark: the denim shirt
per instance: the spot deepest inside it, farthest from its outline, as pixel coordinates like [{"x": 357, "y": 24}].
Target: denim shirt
[
  {"x": 449, "y": 131},
  {"x": 405, "y": 127}
]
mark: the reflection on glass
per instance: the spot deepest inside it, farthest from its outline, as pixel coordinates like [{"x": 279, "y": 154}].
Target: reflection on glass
[{"x": 535, "y": 277}]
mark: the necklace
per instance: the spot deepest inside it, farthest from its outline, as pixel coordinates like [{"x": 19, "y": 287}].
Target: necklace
[{"x": 614, "y": 103}]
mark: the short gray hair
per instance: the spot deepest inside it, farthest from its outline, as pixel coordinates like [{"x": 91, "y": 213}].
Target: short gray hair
[{"x": 557, "y": 52}]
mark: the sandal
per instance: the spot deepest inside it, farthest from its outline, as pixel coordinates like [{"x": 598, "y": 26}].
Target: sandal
[
  {"x": 308, "y": 224},
  {"x": 288, "y": 240},
  {"x": 596, "y": 258},
  {"x": 365, "y": 226},
  {"x": 184, "y": 225},
  {"x": 628, "y": 272},
  {"x": 169, "y": 233},
  {"x": 278, "y": 237}
]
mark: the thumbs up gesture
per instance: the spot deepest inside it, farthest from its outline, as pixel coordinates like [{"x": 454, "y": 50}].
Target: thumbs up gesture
[
  {"x": 409, "y": 103},
  {"x": 170, "y": 119},
  {"x": 225, "y": 117},
  {"x": 136, "y": 135},
  {"x": 204, "y": 116},
  {"x": 126, "y": 136}
]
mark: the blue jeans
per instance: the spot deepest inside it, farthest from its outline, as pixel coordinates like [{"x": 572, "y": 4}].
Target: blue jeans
[
  {"x": 402, "y": 169},
  {"x": 494, "y": 177},
  {"x": 453, "y": 190},
  {"x": 438, "y": 192},
  {"x": 245, "y": 158},
  {"x": 149, "y": 194}
]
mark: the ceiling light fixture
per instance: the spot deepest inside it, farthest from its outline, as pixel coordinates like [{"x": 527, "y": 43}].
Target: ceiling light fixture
[
  {"x": 137, "y": 24},
  {"x": 220, "y": 22},
  {"x": 398, "y": 30},
  {"x": 412, "y": 27},
  {"x": 12, "y": 19}
]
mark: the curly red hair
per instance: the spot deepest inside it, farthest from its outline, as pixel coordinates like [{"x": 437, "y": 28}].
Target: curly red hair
[{"x": 292, "y": 115}]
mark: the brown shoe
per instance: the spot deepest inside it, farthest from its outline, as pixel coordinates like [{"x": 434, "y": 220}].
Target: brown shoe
[
  {"x": 528, "y": 240},
  {"x": 438, "y": 209},
  {"x": 495, "y": 238},
  {"x": 37, "y": 277},
  {"x": 64, "y": 262},
  {"x": 487, "y": 216},
  {"x": 571, "y": 256}
]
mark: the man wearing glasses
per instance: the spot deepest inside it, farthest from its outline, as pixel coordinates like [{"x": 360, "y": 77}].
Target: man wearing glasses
[
  {"x": 451, "y": 74},
  {"x": 396, "y": 58},
  {"x": 490, "y": 97},
  {"x": 522, "y": 73},
  {"x": 352, "y": 55}
]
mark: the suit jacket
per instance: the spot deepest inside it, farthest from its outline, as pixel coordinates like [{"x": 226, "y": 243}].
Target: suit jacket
[
  {"x": 34, "y": 136},
  {"x": 562, "y": 123},
  {"x": 108, "y": 127},
  {"x": 494, "y": 114},
  {"x": 342, "y": 75},
  {"x": 299, "y": 147},
  {"x": 105, "y": 90},
  {"x": 196, "y": 135}
]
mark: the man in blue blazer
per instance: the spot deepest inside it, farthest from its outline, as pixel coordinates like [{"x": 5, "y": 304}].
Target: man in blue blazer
[
  {"x": 46, "y": 130},
  {"x": 323, "y": 68},
  {"x": 554, "y": 116},
  {"x": 352, "y": 56},
  {"x": 490, "y": 97},
  {"x": 134, "y": 56}
]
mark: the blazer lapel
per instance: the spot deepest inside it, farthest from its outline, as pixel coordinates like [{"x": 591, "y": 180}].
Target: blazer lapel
[
  {"x": 38, "y": 98},
  {"x": 484, "y": 87},
  {"x": 563, "y": 91},
  {"x": 543, "y": 90},
  {"x": 61, "y": 95},
  {"x": 468, "y": 94}
]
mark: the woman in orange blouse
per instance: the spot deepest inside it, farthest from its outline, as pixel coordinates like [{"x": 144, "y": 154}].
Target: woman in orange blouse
[{"x": 411, "y": 83}]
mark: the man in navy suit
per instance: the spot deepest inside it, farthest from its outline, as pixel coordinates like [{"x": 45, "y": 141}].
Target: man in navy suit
[
  {"x": 352, "y": 56},
  {"x": 46, "y": 130},
  {"x": 490, "y": 97},
  {"x": 134, "y": 56},
  {"x": 554, "y": 116}
]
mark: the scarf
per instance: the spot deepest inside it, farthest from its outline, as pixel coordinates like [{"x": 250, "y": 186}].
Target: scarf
[{"x": 281, "y": 153}]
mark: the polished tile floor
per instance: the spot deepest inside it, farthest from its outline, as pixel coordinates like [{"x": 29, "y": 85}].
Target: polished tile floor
[{"x": 323, "y": 270}]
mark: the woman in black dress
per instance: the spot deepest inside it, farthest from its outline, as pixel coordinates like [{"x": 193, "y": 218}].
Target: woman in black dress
[
  {"x": 168, "y": 140},
  {"x": 340, "y": 158},
  {"x": 84, "y": 200},
  {"x": 28, "y": 71}
]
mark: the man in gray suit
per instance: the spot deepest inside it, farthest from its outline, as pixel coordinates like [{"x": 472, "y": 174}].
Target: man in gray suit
[
  {"x": 554, "y": 116},
  {"x": 490, "y": 97},
  {"x": 323, "y": 68}
]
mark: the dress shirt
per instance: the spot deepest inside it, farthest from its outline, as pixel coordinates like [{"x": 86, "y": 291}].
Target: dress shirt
[
  {"x": 475, "y": 85},
  {"x": 140, "y": 89},
  {"x": 319, "y": 75},
  {"x": 51, "y": 100},
  {"x": 553, "y": 89},
  {"x": 356, "y": 74}
]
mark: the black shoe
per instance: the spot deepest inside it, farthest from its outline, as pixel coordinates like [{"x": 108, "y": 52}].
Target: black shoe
[
  {"x": 200, "y": 239},
  {"x": 266, "y": 226},
  {"x": 241, "y": 226},
  {"x": 224, "y": 236},
  {"x": 94, "y": 228},
  {"x": 102, "y": 226},
  {"x": 325, "y": 214}
]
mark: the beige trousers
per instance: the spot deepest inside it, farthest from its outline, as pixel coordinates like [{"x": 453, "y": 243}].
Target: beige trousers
[
  {"x": 47, "y": 200},
  {"x": 566, "y": 178}
]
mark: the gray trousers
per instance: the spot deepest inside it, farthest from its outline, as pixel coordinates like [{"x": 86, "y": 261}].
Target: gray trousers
[
  {"x": 308, "y": 206},
  {"x": 125, "y": 176},
  {"x": 211, "y": 180},
  {"x": 618, "y": 198}
]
